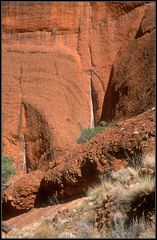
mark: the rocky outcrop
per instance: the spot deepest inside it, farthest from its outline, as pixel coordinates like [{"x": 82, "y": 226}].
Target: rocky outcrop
[
  {"x": 131, "y": 88},
  {"x": 109, "y": 151},
  {"x": 58, "y": 52},
  {"x": 21, "y": 195},
  {"x": 106, "y": 152}
]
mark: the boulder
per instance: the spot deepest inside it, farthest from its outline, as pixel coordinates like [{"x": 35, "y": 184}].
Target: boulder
[{"x": 20, "y": 196}]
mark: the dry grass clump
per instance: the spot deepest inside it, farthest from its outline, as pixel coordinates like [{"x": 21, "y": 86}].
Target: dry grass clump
[
  {"x": 129, "y": 193},
  {"x": 149, "y": 160},
  {"x": 98, "y": 193},
  {"x": 125, "y": 174},
  {"x": 127, "y": 180},
  {"x": 43, "y": 231},
  {"x": 133, "y": 231},
  {"x": 144, "y": 186},
  {"x": 137, "y": 229},
  {"x": 25, "y": 232},
  {"x": 149, "y": 231}
]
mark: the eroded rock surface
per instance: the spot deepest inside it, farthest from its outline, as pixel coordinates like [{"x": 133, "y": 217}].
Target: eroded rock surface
[
  {"x": 106, "y": 152},
  {"x": 131, "y": 88},
  {"x": 55, "y": 53},
  {"x": 109, "y": 151},
  {"x": 37, "y": 139},
  {"x": 21, "y": 195}
]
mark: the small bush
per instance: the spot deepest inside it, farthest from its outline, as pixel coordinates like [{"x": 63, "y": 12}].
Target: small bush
[
  {"x": 7, "y": 170},
  {"x": 88, "y": 133}
]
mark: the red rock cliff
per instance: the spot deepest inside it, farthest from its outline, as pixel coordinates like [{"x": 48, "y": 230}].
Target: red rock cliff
[{"x": 52, "y": 53}]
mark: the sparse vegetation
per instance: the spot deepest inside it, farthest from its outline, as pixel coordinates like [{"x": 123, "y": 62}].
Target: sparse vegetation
[
  {"x": 143, "y": 186},
  {"x": 135, "y": 157},
  {"x": 148, "y": 161},
  {"x": 7, "y": 170},
  {"x": 130, "y": 196},
  {"x": 44, "y": 231},
  {"x": 88, "y": 133},
  {"x": 132, "y": 232}
]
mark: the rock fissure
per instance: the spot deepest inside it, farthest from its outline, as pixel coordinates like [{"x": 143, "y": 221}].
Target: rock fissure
[
  {"x": 20, "y": 130},
  {"x": 91, "y": 16},
  {"x": 92, "y": 125},
  {"x": 24, "y": 154},
  {"x": 98, "y": 76},
  {"x": 79, "y": 34},
  {"x": 91, "y": 58}
]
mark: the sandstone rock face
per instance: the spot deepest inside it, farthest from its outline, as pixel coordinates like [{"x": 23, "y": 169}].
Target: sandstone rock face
[
  {"x": 47, "y": 89},
  {"x": 53, "y": 54},
  {"x": 104, "y": 28},
  {"x": 131, "y": 88}
]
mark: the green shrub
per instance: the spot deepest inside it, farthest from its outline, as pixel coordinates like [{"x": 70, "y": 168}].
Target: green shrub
[
  {"x": 7, "y": 170},
  {"x": 88, "y": 133}
]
